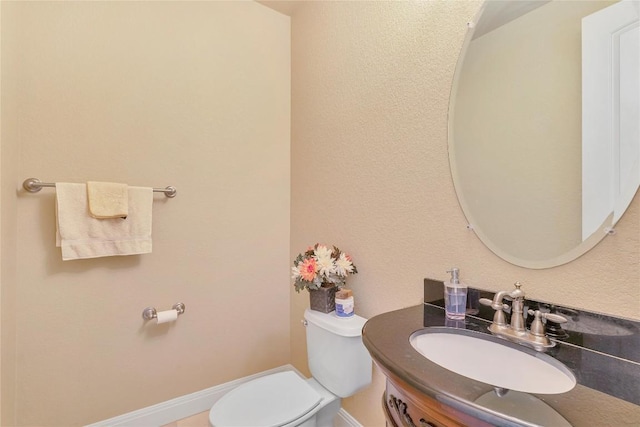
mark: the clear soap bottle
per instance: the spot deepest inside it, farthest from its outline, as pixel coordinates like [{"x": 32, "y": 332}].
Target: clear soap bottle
[{"x": 455, "y": 296}]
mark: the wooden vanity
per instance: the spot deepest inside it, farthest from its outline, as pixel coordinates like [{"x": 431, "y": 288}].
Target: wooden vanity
[{"x": 404, "y": 406}]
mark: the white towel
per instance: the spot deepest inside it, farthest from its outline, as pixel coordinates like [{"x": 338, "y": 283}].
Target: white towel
[{"x": 79, "y": 235}]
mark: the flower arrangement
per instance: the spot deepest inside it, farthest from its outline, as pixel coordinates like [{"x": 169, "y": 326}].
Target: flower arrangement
[{"x": 320, "y": 265}]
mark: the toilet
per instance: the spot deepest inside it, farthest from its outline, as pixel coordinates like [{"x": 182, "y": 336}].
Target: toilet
[{"x": 340, "y": 366}]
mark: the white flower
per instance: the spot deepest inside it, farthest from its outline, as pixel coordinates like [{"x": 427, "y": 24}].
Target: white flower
[
  {"x": 325, "y": 263},
  {"x": 320, "y": 265},
  {"x": 321, "y": 251},
  {"x": 343, "y": 265},
  {"x": 295, "y": 272}
]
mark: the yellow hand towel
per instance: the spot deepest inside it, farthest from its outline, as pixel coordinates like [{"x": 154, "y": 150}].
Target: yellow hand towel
[{"x": 108, "y": 199}]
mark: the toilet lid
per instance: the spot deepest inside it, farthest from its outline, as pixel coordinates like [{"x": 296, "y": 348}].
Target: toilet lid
[{"x": 270, "y": 401}]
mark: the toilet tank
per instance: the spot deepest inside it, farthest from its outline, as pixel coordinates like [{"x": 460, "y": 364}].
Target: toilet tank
[{"x": 337, "y": 358}]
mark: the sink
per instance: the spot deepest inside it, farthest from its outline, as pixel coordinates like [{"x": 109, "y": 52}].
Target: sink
[{"x": 493, "y": 361}]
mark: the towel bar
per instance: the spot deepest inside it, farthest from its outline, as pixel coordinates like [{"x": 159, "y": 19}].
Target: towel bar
[{"x": 33, "y": 185}]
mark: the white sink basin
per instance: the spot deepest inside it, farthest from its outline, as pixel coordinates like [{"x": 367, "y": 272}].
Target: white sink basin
[{"x": 483, "y": 358}]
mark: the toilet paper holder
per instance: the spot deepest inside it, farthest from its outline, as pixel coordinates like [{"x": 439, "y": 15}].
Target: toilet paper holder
[{"x": 151, "y": 313}]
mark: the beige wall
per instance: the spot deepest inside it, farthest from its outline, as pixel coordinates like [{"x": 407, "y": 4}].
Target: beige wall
[
  {"x": 370, "y": 171},
  {"x": 190, "y": 94},
  {"x": 8, "y": 242},
  {"x": 1, "y": 313}
]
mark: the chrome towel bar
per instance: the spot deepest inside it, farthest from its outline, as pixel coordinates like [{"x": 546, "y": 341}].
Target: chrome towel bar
[{"x": 33, "y": 185}]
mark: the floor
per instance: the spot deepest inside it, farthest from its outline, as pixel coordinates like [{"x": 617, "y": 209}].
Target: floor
[
  {"x": 197, "y": 420},
  {"x": 202, "y": 420}
]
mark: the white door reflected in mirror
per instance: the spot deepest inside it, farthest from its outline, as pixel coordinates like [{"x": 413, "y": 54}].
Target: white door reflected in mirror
[{"x": 610, "y": 113}]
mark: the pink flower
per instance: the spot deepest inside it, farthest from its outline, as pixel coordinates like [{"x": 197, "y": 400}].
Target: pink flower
[{"x": 308, "y": 269}]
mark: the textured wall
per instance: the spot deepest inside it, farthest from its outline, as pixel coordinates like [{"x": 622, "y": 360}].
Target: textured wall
[
  {"x": 370, "y": 170},
  {"x": 190, "y": 94}
]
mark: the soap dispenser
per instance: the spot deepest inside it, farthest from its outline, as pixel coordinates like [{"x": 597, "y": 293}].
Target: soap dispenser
[{"x": 455, "y": 296}]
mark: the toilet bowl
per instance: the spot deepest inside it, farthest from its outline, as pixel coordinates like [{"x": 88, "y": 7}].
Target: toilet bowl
[
  {"x": 283, "y": 399},
  {"x": 340, "y": 366}
]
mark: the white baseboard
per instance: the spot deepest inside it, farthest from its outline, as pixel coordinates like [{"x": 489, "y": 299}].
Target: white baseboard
[
  {"x": 344, "y": 419},
  {"x": 200, "y": 401},
  {"x": 181, "y": 407}
]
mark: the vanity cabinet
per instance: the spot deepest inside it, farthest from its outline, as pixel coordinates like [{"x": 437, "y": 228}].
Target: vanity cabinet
[{"x": 405, "y": 406}]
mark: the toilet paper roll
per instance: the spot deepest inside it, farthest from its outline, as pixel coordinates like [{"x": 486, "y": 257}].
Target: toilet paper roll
[{"x": 167, "y": 316}]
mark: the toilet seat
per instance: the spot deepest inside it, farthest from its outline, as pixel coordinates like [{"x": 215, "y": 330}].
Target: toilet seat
[{"x": 271, "y": 401}]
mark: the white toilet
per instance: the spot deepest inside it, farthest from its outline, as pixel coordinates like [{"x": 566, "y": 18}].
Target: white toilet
[{"x": 340, "y": 366}]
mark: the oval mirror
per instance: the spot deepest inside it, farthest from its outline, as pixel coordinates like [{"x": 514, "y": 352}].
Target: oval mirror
[{"x": 544, "y": 139}]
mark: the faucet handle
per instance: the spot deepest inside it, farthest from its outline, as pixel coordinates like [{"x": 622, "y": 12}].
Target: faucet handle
[
  {"x": 499, "y": 307},
  {"x": 488, "y": 302},
  {"x": 485, "y": 301},
  {"x": 554, "y": 317},
  {"x": 537, "y": 327}
]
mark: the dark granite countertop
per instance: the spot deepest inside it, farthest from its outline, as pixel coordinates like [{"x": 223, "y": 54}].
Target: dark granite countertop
[{"x": 607, "y": 391}]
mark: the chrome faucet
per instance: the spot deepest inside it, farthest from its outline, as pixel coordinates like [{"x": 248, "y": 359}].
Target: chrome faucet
[{"x": 517, "y": 331}]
